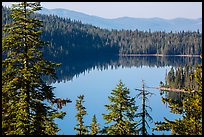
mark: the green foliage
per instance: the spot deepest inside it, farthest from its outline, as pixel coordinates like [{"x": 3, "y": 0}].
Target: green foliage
[
  {"x": 191, "y": 109},
  {"x": 94, "y": 126},
  {"x": 122, "y": 112},
  {"x": 26, "y": 97},
  {"x": 80, "y": 128},
  {"x": 73, "y": 38},
  {"x": 181, "y": 78}
]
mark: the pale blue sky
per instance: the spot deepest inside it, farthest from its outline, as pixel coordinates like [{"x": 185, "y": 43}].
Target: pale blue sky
[{"x": 166, "y": 10}]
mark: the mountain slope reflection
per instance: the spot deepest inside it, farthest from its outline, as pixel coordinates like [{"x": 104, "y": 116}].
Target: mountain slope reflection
[{"x": 73, "y": 67}]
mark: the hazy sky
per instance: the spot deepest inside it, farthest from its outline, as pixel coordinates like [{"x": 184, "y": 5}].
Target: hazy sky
[{"x": 166, "y": 10}]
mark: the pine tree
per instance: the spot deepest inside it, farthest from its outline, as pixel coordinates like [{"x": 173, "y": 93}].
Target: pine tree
[
  {"x": 122, "y": 112},
  {"x": 80, "y": 127},
  {"x": 144, "y": 114},
  {"x": 25, "y": 94},
  {"x": 94, "y": 126},
  {"x": 191, "y": 121}
]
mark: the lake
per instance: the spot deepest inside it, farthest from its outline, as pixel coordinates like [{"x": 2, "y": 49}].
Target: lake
[{"x": 96, "y": 77}]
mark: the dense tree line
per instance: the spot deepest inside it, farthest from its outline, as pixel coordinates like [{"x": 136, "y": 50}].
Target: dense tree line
[
  {"x": 73, "y": 38},
  {"x": 190, "y": 107},
  {"x": 27, "y": 99},
  {"x": 181, "y": 78},
  {"x": 68, "y": 38}
]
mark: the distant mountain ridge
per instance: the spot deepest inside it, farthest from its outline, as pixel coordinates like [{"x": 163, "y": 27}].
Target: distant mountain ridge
[{"x": 129, "y": 23}]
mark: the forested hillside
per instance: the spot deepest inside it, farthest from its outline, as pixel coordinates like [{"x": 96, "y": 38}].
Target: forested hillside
[
  {"x": 73, "y": 38},
  {"x": 29, "y": 103}
]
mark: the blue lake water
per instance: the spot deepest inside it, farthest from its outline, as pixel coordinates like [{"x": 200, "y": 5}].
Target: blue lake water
[{"x": 96, "y": 85}]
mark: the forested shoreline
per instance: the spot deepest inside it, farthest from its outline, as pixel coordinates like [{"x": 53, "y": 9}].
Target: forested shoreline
[
  {"x": 31, "y": 41},
  {"x": 181, "y": 78},
  {"x": 72, "y": 38}
]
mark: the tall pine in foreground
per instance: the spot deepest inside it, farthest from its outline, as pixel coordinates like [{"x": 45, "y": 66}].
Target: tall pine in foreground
[
  {"x": 80, "y": 127},
  {"x": 26, "y": 97},
  {"x": 122, "y": 112}
]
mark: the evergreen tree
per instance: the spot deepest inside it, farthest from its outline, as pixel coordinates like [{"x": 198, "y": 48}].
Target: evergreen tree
[
  {"x": 94, "y": 126},
  {"x": 80, "y": 127},
  {"x": 144, "y": 114},
  {"x": 191, "y": 121},
  {"x": 25, "y": 94},
  {"x": 122, "y": 112}
]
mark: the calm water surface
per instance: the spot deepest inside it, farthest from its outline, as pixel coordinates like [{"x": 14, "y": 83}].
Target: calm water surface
[{"x": 96, "y": 84}]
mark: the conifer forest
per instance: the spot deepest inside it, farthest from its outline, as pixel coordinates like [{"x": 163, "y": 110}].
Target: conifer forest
[{"x": 39, "y": 50}]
